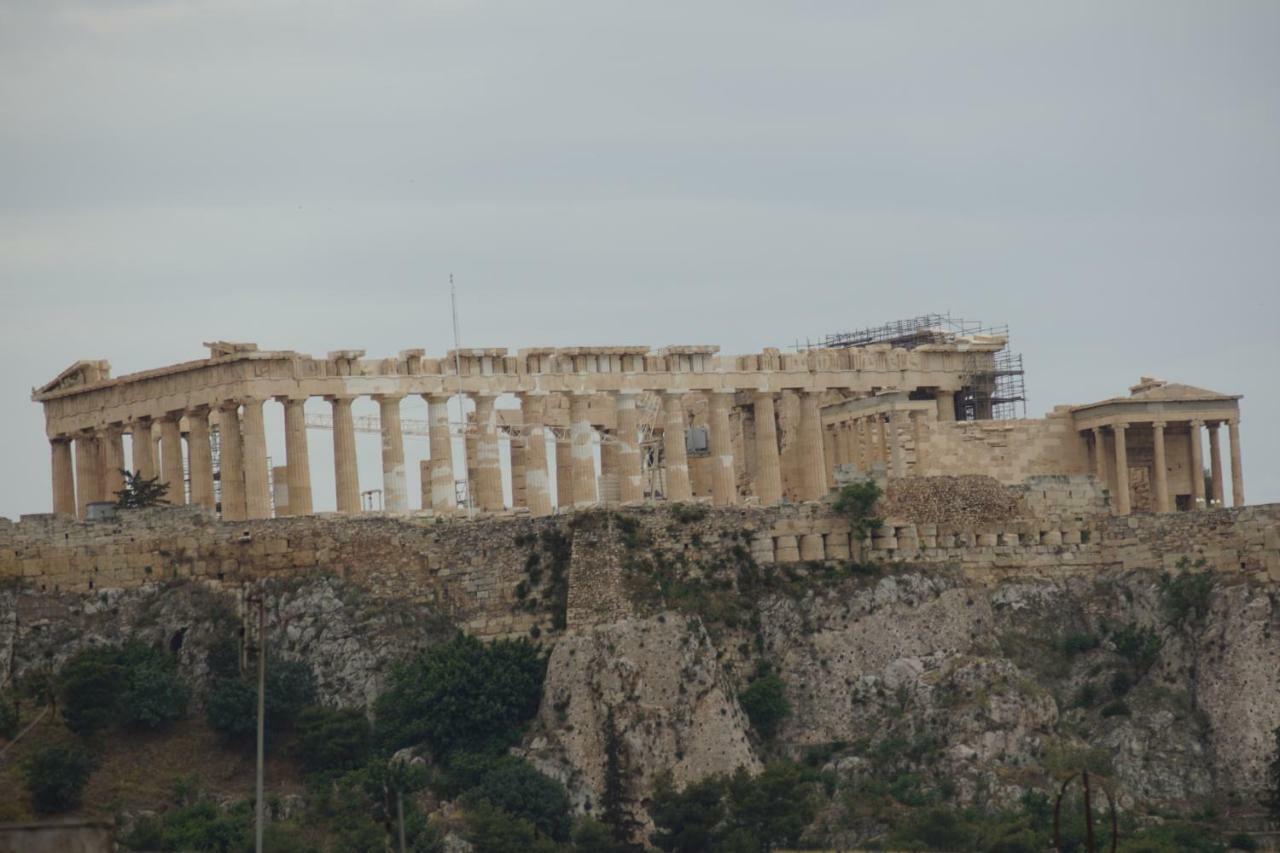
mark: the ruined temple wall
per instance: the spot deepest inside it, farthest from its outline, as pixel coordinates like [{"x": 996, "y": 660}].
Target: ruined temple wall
[
  {"x": 480, "y": 571},
  {"x": 1010, "y": 451}
]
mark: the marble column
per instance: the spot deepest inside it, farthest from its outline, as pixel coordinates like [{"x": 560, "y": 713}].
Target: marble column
[
  {"x": 488, "y": 459},
  {"x": 630, "y": 482},
  {"x": 917, "y": 438},
  {"x": 768, "y": 485},
  {"x": 724, "y": 482},
  {"x": 144, "y": 460},
  {"x": 257, "y": 480},
  {"x": 200, "y": 457},
  {"x": 895, "y": 444},
  {"x": 64, "y": 484},
  {"x": 946, "y": 406},
  {"x": 564, "y": 472},
  {"x": 88, "y": 472},
  {"x": 519, "y": 456},
  {"x": 1123, "y": 506},
  {"x": 1215, "y": 464},
  {"x": 584, "y": 463},
  {"x": 1160, "y": 480},
  {"x": 882, "y": 426},
  {"x": 1237, "y": 464},
  {"x": 1197, "y": 465},
  {"x": 346, "y": 471},
  {"x": 395, "y": 494},
  {"x": 866, "y": 446},
  {"x": 813, "y": 477},
  {"x": 171, "y": 472},
  {"x": 231, "y": 462},
  {"x": 828, "y": 455},
  {"x": 297, "y": 455},
  {"x": 1100, "y": 457},
  {"x": 537, "y": 479},
  {"x": 444, "y": 496},
  {"x": 112, "y": 461},
  {"x": 673, "y": 449}
]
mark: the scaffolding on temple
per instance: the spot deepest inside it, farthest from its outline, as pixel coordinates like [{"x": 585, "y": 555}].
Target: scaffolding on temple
[{"x": 997, "y": 392}]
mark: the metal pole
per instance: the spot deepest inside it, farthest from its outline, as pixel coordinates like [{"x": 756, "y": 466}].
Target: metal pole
[
  {"x": 400, "y": 815},
  {"x": 457, "y": 369},
  {"x": 262, "y": 715}
]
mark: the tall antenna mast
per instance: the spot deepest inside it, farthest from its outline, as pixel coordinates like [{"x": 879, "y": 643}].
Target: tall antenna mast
[{"x": 457, "y": 369}]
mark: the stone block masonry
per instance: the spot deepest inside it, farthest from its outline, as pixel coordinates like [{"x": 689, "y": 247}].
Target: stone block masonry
[{"x": 505, "y": 575}]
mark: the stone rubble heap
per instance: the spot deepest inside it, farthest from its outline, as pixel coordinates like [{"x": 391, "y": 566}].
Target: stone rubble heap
[{"x": 965, "y": 499}]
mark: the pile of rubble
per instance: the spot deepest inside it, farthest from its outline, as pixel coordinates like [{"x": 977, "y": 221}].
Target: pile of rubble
[{"x": 949, "y": 500}]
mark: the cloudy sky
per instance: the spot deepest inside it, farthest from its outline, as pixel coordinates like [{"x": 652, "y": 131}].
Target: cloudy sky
[{"x": 1103, "y": 177}]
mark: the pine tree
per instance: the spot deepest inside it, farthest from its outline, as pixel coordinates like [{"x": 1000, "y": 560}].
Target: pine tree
[
  {"x": 140, "y": 492},
  {"x": 614, "y": 811}
]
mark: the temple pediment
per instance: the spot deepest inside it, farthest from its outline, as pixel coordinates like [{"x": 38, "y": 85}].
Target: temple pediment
[{"x": 77, "y": 375}]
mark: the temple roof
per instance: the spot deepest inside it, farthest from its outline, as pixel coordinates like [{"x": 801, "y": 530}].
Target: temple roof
[{"x": 1150, "y": 390}]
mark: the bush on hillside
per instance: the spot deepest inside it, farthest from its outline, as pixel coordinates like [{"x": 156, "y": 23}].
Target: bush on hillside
[
  {"x": 514, "y": 786},
  {"x": 462, "y": 695},
  {"x": 133, "y": 684},
  {"x": 765, "y": 703},
  {"x": 331, "y": 740},
  {"x": 56, "y": 776},
  {"x": 232, "y": 707}
]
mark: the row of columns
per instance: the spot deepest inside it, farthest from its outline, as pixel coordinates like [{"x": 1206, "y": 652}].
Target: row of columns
[
  {"x": 1114, "y": 468},
  {"x": 245, "y": 484},
  {"x": 866, "y": 440}
]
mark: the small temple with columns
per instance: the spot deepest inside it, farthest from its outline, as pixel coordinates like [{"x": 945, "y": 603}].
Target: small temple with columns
[{"x": 549, "y": 429}]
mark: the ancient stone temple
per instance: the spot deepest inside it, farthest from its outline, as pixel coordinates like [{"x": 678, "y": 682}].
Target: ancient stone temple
[{"x": 561, "y": 428}]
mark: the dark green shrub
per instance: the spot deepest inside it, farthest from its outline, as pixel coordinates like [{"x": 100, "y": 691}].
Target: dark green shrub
[
  {"x": 1120, "y": 683},
  {"x": 331, "y": 740},
  {"x": 1271, "y": 791},
  {"x": 1087, "y": 697},
  {"x": 1185, "y": 597},
  {"x": 857, "y": 503},
  {"x": 133, "y": 684},
  {"x": 514, "y": 786},
  {"x": 9, "y": 718},
  {"x": 1077, "y": 644},
  {"x": 56, "y": 776},
  {"x": 1116, "y": 709},
  {"x": 232, "y": 706},
  {"x": 492, "y": 830},
  {"x": 1242, "y": 841},
  {"x": 765, "y": 703},
  {"x": 687, "y": 821},
  {"x": 688, "y": 513},
  {"x": 1138, "y": 645},
  {"x": 594, "y": 836},
  {"x": 461, "y": 695}
]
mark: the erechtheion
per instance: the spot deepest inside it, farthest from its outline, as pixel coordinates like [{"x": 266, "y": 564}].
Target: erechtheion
[{"x": 620, "y": 424}]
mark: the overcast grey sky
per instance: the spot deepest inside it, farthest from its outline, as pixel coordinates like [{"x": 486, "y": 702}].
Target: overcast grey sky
[{"x": 1104, "y": 177}]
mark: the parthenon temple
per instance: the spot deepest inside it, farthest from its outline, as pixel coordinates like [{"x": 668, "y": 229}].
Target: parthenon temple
[{"x": 548, "y": 428}]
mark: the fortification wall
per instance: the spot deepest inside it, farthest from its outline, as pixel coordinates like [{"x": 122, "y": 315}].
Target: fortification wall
[{"x": 510, "y": 575}]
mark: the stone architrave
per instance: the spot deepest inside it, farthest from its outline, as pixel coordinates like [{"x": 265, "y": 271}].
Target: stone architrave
[
  {"x": 584, "y": 464},
  {"x": 231, "y": 462},
  {"x": 768, "y": 484},
  {"x": 673, "y": 447},
  {"x": 200, "y": 457},
  {"x": 630, "y": 478},
  {"x": 64, "y": 486},
  {"x": 395, "y": 493},
  {"x": 724, "y": 489},
  {"x": 345, "y": 467},
  {"x": 444, "y": 495}
]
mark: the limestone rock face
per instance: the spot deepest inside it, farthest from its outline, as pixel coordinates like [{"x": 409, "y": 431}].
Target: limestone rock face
[{"x": 672, "y": 707}]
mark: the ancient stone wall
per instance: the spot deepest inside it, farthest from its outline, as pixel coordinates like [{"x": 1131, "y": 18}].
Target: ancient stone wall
[
  {"x": 1010, "y": 451},
  {"x": 510, "y": 575}
]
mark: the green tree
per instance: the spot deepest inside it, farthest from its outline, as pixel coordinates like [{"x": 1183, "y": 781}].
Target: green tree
[
  {"x": 134, "y": 684},
  {"x": 492, "y": 830},
  {"x": 1271, "y": 796},
  {"x": 461, "y": 695},
  {"x": 56, "y": 776},
  {"x": 687, "y": 821},
  {"x": 140, "y": 492},
  {"x": 857, "y": 502},
  {"x": 517, "y": 788},
  {"x": 331, "y": 740},
  {"x": 9, "y": 717},
  {"x": 775, "y": 806},
  {"x": 613, "y": 800},
  {"x": 765, "y": 703},
  {"x": 88, "y": 687},
  {"x": 232, "y": 706}
]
